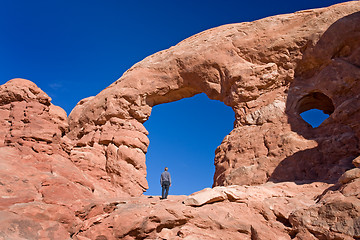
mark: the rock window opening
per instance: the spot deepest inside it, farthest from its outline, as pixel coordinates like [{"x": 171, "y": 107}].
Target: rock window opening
[
  {"x": 314, "y": 117},
  {"x": 183, "y": 137},
  {"x": 315, "y": 108}
]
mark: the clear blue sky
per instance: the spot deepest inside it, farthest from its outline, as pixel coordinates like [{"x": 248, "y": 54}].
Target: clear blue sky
[{"x": 74, "y": 49}]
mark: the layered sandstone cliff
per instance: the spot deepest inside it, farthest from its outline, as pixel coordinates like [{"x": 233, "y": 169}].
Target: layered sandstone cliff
[{"x": 82, "y": 176}]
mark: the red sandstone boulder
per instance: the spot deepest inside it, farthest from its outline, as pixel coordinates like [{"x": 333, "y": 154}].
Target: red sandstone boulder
[
  {"x": 205, "y": 196},
  {"x": 350, "y": 175},
  {"x": 22, "y": 102},
  {"x": 356, "y": 162}
]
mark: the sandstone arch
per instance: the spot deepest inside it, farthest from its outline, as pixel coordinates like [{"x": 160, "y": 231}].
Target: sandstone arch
[
  {"x": 248, "y": 66},
  {"x": 183, "y": 136},
  {"x": 46, "y": 194},
  {"x": 316, "y": 100}
]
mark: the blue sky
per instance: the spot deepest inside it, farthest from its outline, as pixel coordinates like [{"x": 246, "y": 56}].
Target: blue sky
[
  {"x": 183, "y": 136},
  {"x": 74, "y": 49}
]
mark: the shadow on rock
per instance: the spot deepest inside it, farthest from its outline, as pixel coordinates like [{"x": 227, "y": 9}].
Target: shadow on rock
[{"x": 326, "y": 79}]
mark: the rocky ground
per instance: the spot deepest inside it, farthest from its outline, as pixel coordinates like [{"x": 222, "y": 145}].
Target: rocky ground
[
  {"x": 83, "y": 176},
  {"x": 57, "y": 209}
]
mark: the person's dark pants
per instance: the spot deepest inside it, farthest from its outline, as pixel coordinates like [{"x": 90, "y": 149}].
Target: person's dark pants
[{"x": 165, "y": 189}]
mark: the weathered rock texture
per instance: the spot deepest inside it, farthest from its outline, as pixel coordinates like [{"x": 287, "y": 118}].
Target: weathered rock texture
[
  {"x": 72, "y": 177},
  {"x": 268, "y": 71}
]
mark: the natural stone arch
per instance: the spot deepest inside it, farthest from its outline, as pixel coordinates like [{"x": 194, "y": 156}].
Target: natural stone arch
[
  {"x": 248, "y": 66},
  {"x": 316, "y": 100},
  {"x": 183, "y": 136}
]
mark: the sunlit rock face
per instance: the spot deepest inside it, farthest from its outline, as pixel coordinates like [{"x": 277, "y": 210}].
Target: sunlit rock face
[
  {"x": 82, "y": 177},
  {"x": 269, "y": 71}
]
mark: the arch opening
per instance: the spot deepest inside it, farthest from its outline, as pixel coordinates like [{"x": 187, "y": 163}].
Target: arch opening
[
  {"x": 314, "y": 108},
  {"x": 314, "y": 117},
  {"x": 183, "y": 137}
]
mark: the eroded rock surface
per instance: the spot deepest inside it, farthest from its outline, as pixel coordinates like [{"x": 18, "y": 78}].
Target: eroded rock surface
[
  {"x": 268, "y": 71},
  {"x": 82, "y": 176}
]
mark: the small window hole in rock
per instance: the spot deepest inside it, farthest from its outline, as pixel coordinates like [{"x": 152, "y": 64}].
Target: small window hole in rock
[
  {"x": 183, "y": 137},
  {"x": 315, "y": 108},
  {"x": 314, "y": 117}
]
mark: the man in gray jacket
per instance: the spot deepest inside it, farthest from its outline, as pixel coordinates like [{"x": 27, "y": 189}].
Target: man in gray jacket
[{"x": 165, "y": 181}]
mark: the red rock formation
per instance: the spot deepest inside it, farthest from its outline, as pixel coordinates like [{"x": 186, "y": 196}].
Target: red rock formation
[
  {"x": 251, "y": 67},
  {"x": 64, "y": 178}
]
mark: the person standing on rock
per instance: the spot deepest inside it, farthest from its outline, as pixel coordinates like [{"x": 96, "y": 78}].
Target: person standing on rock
[{"x": 165, "y": 181}]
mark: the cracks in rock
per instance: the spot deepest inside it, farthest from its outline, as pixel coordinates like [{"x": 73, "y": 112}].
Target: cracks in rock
[
  {"x": 136, "y": 233},
  {"x": 266, "y": 144},
  {"x": 343, "y": 60},
  {"x": 171, "y": 224},
  {"x": 172, "y": 212},
  {"x": 158, "y": 224},
  {"x": 83, "y": 215},
  {"x": 107, "y": 209},
  {"x": 334, "y": 187},
  {"x": 317, "y": 234},
  {"x": 91, "y": 222},
  {"x": 293, "y": 233},
  {"x": 254, "y": 234},
  {"x": 282, "y": 219},
  {"x": 39, "y": 139},
  {"x": 89, "y": 188}
]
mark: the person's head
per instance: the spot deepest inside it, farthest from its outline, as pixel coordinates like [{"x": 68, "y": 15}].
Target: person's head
[{"x": 166, "y": 169}]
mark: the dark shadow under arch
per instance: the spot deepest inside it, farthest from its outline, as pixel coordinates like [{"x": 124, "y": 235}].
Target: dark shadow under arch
[
  {"x": 315, "y": 100},
  {"x": 312, "y": 101}
]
